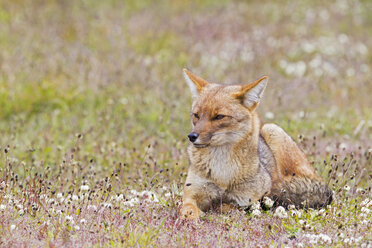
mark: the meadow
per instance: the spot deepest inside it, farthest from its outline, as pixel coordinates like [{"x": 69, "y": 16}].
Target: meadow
[{"x": 94, "y": 117}]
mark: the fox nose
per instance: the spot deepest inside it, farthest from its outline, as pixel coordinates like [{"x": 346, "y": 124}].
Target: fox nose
[{"x": 193, "y": 136}]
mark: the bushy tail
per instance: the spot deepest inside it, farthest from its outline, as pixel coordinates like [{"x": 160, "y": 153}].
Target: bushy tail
[{"x": 303, "y": 193}]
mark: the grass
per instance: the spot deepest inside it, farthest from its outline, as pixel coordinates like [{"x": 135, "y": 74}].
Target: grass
[{"x": 94, "y": 114}]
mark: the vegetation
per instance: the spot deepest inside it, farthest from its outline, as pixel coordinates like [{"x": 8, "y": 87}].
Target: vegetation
[{"x": 94, "y": 116}]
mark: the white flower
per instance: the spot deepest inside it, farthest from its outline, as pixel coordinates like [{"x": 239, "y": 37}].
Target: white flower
[
  {"x": 2, "y": 207},
  {"x": 365, "y": 222},
  {"x": 343, "y": 146},
  {"x": 321, "y": 238},
  {"x": 92, "y": 207},
  {"x": 167, "y": 195},
  {"x": 365, "y": 202},
  {"x": 325, "y": 238},
  {"x": 75, "y": 197},
  {"x": 12, "y": 227},
  {"x": 69, "y": 218},
  {"x": 21, "y": 212},
  {"x": 131, "y": 202},
  {"x": 256, "y": 212},
  {"x": 107, "y": 205},
  {"x": 291, "y": 207},
  {"x": 59, "y": 195},
  {"x": 77, "y": 228},
  {"x": 280, "y": 212},
  {"x": 268, "y": 202},
  {"x": 313, "y": 238},
  {"x": 255, "y": 206},
  {"x": 83, "y": 221},
  {"x": 134, "y": 192},
  {"x": 269, "y": 115},
  {"x": 349, "y": 241},
  {"x": 120, "y": 197},
  {"x": 365, "y": 210},
  {"x": 328, "y": 149},
  {"x": 84, "y": 187},
  {"x": 301, "y": 222},
  {"x": 362, "y": 216},
  {"x": 296, "y": 213},
  {"x": 151, "y": 197}
]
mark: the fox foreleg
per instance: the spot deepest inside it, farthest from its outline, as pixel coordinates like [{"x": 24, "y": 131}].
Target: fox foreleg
[{"x": 199, "y": 195}]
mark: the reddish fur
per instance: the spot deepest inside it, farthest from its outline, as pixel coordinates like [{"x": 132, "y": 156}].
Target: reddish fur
[{"x": 231, "y": 164}]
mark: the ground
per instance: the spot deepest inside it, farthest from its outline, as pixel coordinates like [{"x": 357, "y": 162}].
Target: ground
[{"x": 94, "y": 117}]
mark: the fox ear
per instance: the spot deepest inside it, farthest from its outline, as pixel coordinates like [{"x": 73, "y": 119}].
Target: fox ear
[
  {"x": 195, "y": 83},
  {"x": 251, "y": 93}
]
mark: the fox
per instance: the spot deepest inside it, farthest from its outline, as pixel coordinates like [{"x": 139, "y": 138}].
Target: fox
[{"x": 234, "y": 160}]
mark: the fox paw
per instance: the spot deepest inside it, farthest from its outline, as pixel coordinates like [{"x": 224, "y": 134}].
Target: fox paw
[
  {"x": 226, "y": 208},
  {"x": 190, "y": 212}
]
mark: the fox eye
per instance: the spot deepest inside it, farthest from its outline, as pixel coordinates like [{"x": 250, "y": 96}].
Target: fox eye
[
  {"x": 219, "y": 117},
  {"x": 196, "y": 115}
]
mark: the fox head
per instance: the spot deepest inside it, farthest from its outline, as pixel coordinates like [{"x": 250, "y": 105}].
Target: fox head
[{"x": 222, "y": 114}]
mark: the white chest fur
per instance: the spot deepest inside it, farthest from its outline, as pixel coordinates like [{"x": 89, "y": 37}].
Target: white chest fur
[{"x": 222, "y": 166}]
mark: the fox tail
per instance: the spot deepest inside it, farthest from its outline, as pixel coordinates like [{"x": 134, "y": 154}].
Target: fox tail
[{"x": 303, "y": 193}]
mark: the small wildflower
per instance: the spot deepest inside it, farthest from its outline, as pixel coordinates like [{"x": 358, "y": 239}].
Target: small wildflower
[
  {"x": 268, "y": 202},
  {"x": 365, "y": 210},
  {"x": 365, "y": 202},
  {"x": 280, "y": 212},
  {"x": 343, "y": 146},
  {"x": 256, "y": 213},
  {"x": 325, "y": 238},
  {"x": 269, "y": 115},
  {"x": 92, "y": 207},
  {"x": 346, "y": 187},
  {"x": 341, "y": 235},
  {"x": 59, "y": 195},
  {"x": 77, "y": 228},
  {"x": 83, "y": 221},
  {"x": 255, "y": 206},
  {"x": 84, "y": 187},
  {"x": 107, "y": 205},
  {"x": 68, "y": 218},
  {"x": 131, "y": 202},
  {"x": 12, "y": 227},
  {"x": 291, "y": 207},
  {"x": 2, "y": 207},
  {"x": 75, "y": 197},
  {"x": 120, "y": 197}
]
